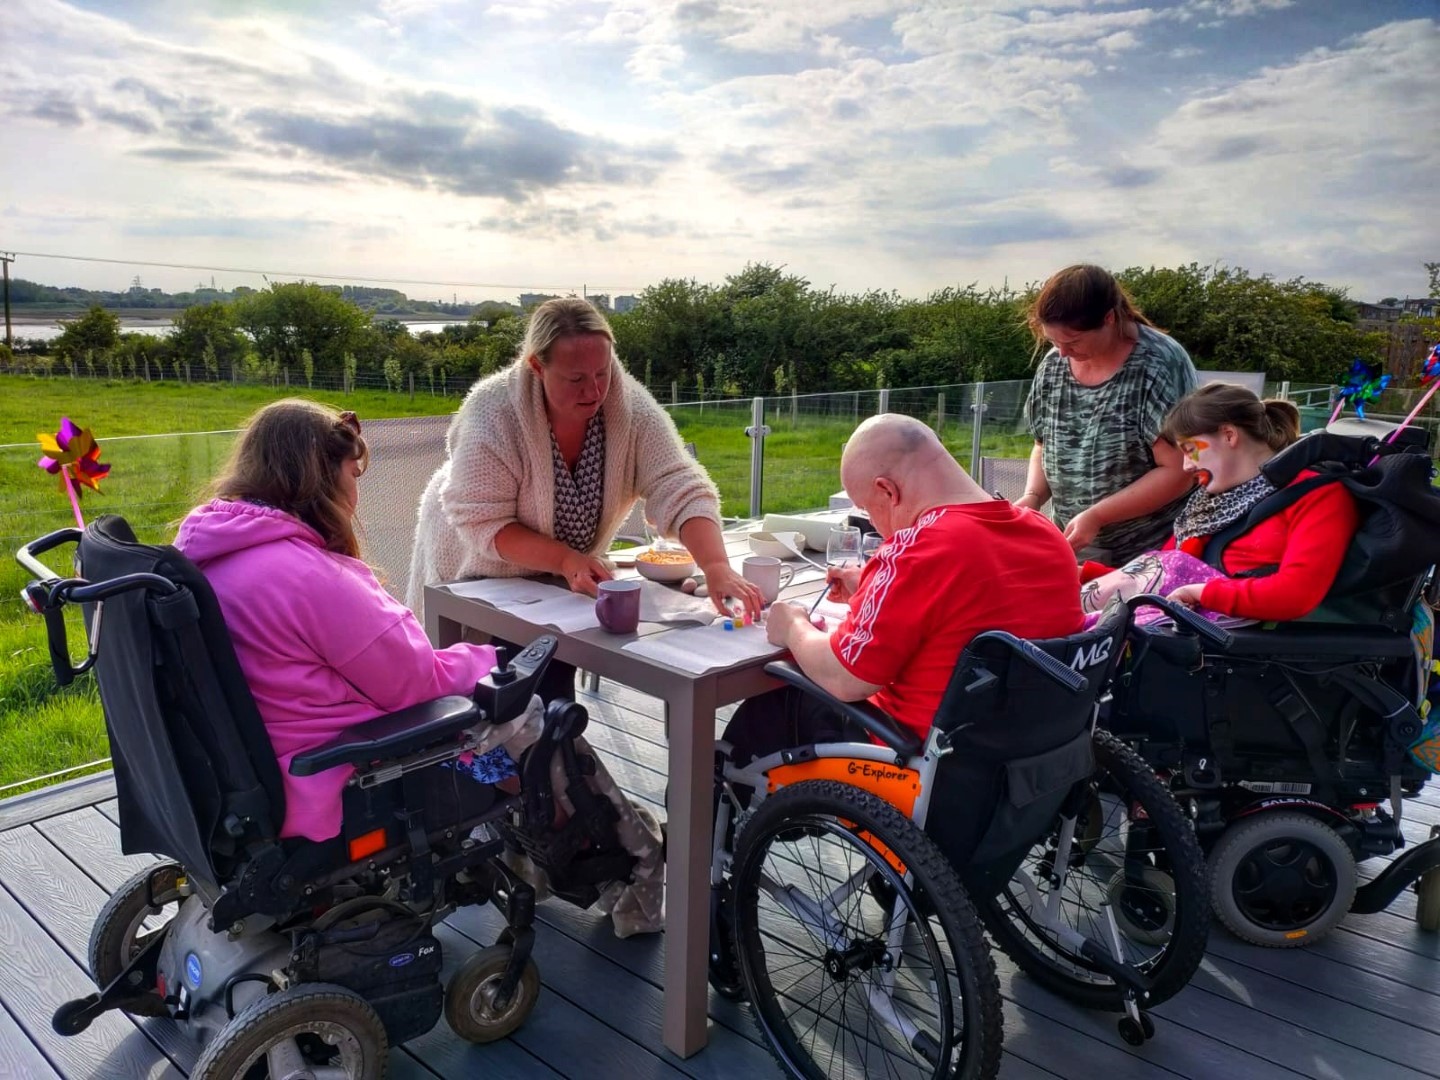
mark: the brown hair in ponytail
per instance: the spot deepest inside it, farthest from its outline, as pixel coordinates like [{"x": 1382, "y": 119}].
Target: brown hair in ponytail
[{"x": 1274, "y": 422}]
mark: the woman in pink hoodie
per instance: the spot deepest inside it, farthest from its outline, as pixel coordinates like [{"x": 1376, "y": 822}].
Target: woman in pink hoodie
[{"x": 322, "y": 644}]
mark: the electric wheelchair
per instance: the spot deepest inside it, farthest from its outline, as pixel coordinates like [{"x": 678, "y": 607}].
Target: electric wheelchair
[
  {"x": 1289, "y": 746},
  {"x": 850, "y": 906},
  {"x": 289, "y": 957}
]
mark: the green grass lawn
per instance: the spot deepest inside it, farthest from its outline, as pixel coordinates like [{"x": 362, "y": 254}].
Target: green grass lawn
[{"x": 156, "y": 480}]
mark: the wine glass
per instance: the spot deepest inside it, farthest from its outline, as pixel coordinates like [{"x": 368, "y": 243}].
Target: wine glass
[
  {"x": 843, "y": 546},
  {"x": 869, "y": 544}
]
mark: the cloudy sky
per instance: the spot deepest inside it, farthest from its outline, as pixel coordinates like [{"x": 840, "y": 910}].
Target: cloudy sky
[{"x": 609, "y": 143}]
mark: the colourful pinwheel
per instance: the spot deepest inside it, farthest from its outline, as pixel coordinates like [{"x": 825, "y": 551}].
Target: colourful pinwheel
[
  {"x": 1364, "y": 385},
  {"x": 72, "y": 454}
]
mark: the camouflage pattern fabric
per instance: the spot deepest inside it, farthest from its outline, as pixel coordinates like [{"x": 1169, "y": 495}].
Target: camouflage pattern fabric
[
  {"x": 636, "y": 906},
  {"x": 1098, "y": 440}
]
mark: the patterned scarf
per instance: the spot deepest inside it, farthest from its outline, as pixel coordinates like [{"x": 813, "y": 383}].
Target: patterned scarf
[{"x": 1205, "y": 514}]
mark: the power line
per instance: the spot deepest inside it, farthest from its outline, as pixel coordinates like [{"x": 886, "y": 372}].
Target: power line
[{"x": 316, "y": 277}]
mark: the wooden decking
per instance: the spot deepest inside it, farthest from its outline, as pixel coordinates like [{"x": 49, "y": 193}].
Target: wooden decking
[{"x": 1363, "y": 1003}]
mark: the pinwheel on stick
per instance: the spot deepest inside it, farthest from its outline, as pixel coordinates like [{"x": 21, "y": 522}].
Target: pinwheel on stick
[{"x": 73, "y": 454}]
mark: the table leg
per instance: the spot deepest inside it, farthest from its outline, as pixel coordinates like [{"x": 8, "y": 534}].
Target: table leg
[
  {"x": 687, "y": 870},
  {"x": 443, "y": 632}
]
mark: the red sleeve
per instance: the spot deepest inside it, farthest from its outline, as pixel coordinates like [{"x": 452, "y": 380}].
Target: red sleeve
[
  {"x": 888, "y": 617},
  {"x": 1090, "y": 570},
  {"x": 1319, "y": 529}
]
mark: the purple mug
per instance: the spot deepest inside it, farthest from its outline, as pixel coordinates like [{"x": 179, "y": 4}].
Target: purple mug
[{"x": 617, "y": 606}]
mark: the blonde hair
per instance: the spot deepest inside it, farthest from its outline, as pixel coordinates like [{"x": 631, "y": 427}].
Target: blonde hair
[
  {"x": 289, "y": 456},
  {"x": 1274, "y": 422},
  {"x": 563, "y": 317}
]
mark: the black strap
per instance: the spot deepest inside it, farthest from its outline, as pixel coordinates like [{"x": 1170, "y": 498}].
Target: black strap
[{"x": 1267, "y": 507}]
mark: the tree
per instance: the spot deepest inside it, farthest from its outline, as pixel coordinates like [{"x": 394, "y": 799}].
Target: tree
[
  {"x": 89, "y": 338},
  {"x": 287, "y": 319},
  {"x": 209, "y": 326}
]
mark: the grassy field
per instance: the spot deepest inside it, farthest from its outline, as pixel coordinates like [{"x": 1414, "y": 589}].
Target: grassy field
[{"x": 156, "y": 480}]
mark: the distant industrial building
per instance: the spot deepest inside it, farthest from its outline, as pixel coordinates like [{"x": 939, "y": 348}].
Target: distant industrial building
[
  {"x": 624, "y": 304},
  {"x": 529, "y": 300}
]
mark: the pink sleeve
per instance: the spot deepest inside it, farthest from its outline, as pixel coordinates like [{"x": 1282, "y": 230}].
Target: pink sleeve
[
  {"x": 400, "y": 668},
  {"x": 377, "y": 645}
]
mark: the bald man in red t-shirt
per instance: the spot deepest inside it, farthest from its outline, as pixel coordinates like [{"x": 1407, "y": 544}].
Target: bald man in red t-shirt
[{"x": 954, "y": 562}]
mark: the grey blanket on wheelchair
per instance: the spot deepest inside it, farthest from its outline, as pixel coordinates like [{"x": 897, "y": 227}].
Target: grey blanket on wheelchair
[{"x": 636, "y": 906}]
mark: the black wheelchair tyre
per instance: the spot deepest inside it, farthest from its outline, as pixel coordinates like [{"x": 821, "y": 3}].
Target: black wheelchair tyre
[
  {"x": 311, "y": 1014},
  {"x": 469, "y": 996},
  {"x": 1282, "y": 879},
  {"x": 1120, "y": 774},
  {"x": 118, "y": 933},
  {"x": 942, "y": 930}
]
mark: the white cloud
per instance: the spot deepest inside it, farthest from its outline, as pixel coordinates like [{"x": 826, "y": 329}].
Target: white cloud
[{"x": 869, "y": 142}]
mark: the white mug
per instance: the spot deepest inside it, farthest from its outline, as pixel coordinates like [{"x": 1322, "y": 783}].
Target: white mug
[{"x": 768, "y": 574}]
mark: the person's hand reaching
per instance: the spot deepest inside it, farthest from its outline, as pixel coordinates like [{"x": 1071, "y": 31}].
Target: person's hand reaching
[
  {"x": 1082, "y": 529},
  {"x": 723, "y": 582},
  {"x": 1189, "y": 595},
  {"x": 583, "y": 573}
]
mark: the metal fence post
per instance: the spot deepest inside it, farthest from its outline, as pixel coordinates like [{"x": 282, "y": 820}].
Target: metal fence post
[
  {"x": 883, "y": 405},
  {"x": 1285, "y": 390},
  {"x": 940, "y": 412},
  {"x": 977, "y": 428},
  {"x": 756, "y": 433}
]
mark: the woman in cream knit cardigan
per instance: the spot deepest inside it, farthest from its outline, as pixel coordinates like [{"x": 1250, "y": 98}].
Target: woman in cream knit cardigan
[{"x": 546, "y": 459}]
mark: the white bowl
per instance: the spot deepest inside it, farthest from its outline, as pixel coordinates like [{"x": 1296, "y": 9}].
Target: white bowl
[
  {"x": 669, "y": 573},
  {"x": 772, "y": 545}
]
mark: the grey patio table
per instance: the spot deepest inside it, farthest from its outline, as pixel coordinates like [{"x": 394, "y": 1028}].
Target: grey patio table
[{"x": 691, "y": 700}]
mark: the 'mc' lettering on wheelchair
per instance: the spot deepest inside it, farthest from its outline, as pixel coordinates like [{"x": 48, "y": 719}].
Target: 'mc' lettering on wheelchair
[{"x": 298, "y": 954}]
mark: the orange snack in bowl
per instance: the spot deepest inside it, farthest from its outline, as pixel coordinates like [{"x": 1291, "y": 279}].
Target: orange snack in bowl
[{"x": 665, "y": 558}]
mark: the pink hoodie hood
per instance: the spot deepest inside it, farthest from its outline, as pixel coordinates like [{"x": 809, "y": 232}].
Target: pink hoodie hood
[{"x": 321, "y": 643}]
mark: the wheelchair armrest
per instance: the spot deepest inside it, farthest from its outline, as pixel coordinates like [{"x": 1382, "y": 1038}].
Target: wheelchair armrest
[
  {"x": 877, "y": 722},
  {"x": 391, "y": 736}
]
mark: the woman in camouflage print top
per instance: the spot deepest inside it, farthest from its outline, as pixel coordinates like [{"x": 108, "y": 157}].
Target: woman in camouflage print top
[{"x": 1096, "y": 409}]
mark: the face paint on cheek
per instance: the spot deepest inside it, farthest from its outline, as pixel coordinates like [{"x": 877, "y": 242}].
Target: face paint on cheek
[{"x": 1196, "y": 446}]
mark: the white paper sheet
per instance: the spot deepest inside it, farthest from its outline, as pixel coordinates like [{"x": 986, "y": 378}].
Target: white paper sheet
[
  {"x": 507, "y": 592},
  {"x": 701, "y": 648},
  {"x": 662, "y": 604},
  {"x": 533, "y": 601}
]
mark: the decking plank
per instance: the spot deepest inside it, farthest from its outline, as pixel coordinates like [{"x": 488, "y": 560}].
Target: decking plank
[
  {"x": 36, "y": 872},
  {"x": 613, "y": 994},
  {"x": 56, "y": 799},
  {"x": 1360, "y": 988},
  {"x": 37, "y": 977},
  {"x": 19, "y": 1057},
  {"x": 1386, "y": 1039}
]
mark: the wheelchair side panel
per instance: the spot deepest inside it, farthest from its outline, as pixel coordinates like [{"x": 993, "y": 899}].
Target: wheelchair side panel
[{"x": 900, "y": 787}]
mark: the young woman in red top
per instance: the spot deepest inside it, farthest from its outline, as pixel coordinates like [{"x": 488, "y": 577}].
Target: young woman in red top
[{"x": 1226, "y": 434}]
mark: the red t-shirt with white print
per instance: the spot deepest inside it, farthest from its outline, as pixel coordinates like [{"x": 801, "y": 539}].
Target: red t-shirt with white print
[{"x": 959, "y": 570}]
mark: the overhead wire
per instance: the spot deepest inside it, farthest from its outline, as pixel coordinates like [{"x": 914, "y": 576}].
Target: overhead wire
[{"x": 324, "y": 277}]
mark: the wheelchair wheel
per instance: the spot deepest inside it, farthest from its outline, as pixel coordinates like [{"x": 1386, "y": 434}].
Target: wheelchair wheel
[
  {"x": 309, "y": 1029},
  {"x": 843, "y": 983},
  {"x": 470, "y": 996},
  {"x": 1282, "y": 879},
  {"x": 1139, "y": 854},
  {"x": 119, "y": 932}
]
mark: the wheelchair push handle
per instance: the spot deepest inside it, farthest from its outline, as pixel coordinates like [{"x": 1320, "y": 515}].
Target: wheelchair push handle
[
  {"x": 1185, "y": 619},
  {"x": 1038, "y": 658},
  {"x": 29, "y": 555}
]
